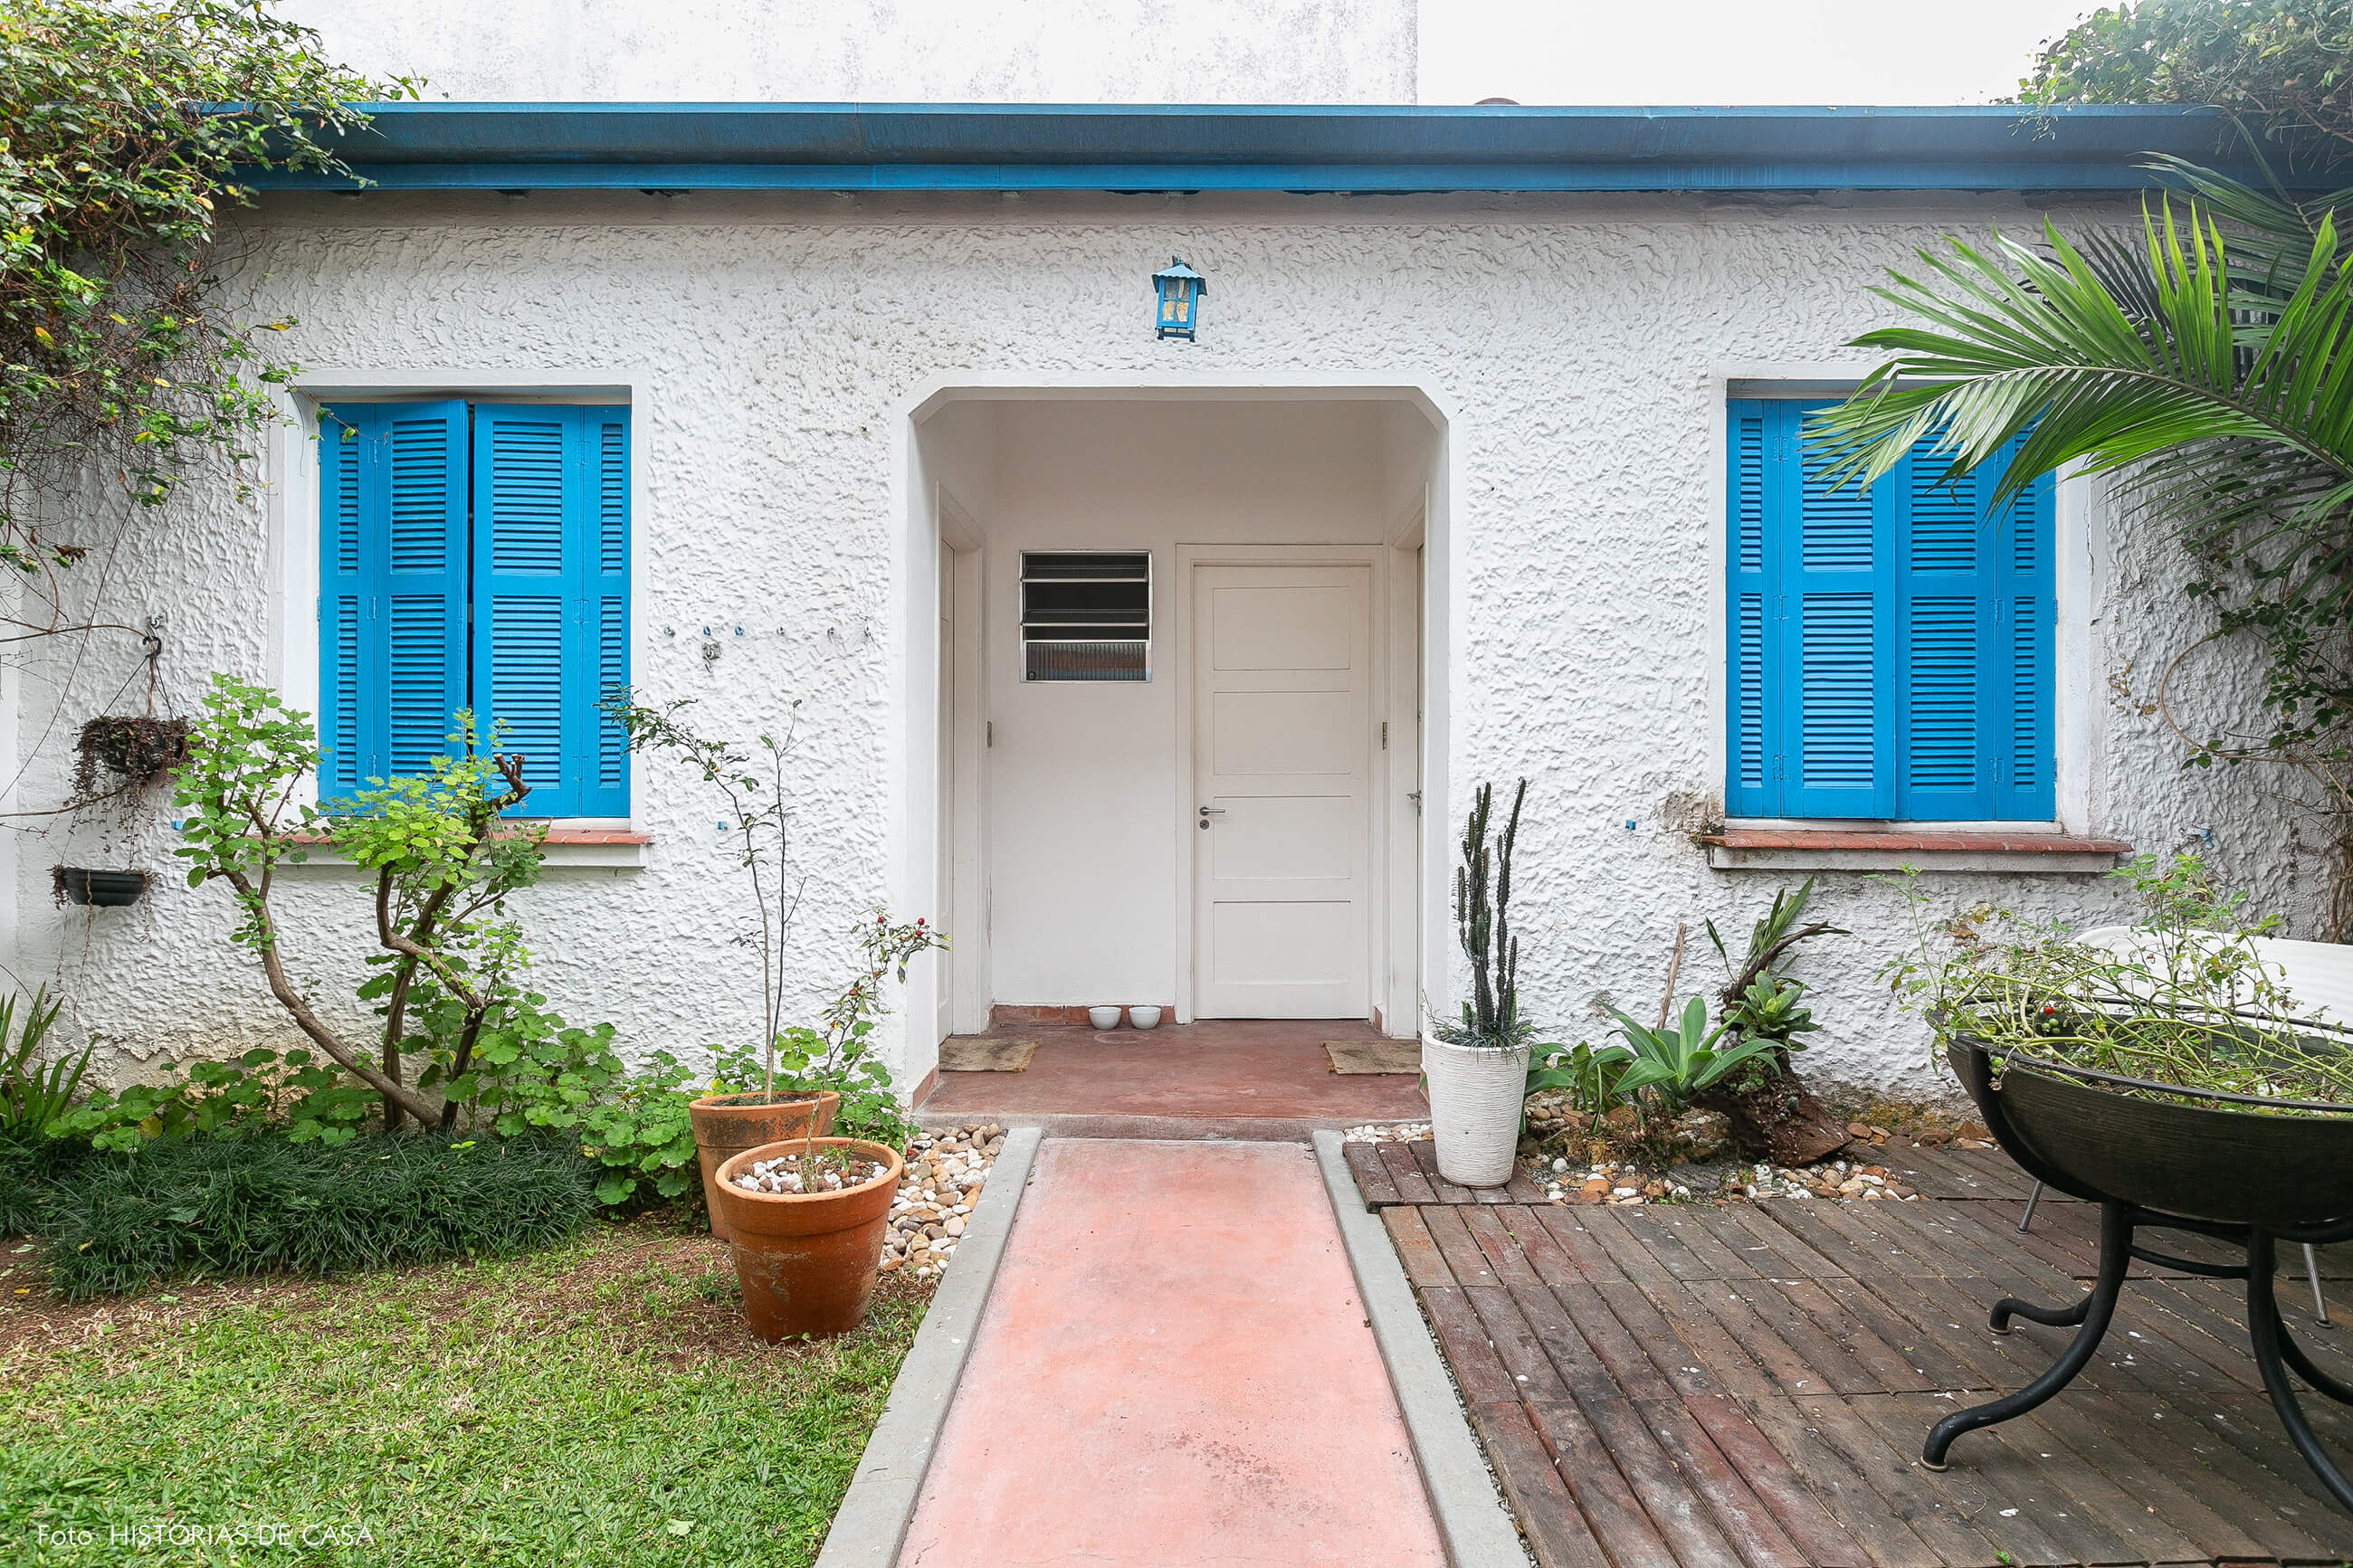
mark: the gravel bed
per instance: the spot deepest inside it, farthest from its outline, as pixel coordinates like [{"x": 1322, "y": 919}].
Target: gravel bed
[
  {"x": 1387, "y": 1132},
  {"x": 945, "y": 1169}
]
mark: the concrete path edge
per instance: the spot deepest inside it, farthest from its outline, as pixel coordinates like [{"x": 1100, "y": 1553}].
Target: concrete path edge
[
  {"x": 871, "y": 1523},
  {"x": 1472, "y": 1519}
]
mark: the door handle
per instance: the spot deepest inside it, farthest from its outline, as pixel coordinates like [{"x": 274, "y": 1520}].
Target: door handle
[{"x": 1209, "y": 811}]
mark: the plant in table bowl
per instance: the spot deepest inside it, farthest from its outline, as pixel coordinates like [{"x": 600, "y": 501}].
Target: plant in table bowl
[{"x": 1477, "y": 1067}]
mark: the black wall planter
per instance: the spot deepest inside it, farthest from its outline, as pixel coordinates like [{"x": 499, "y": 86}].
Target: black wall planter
[{"x": 101, "y": 890}]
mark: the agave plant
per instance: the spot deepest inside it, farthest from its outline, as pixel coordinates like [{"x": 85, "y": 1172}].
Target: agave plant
[{"x": 1679, "y": 1060}]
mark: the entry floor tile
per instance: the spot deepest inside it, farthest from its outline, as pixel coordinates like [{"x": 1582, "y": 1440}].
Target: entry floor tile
[
  {"x": 1173, "y": 1368},
  {"x": 1252, "y": 1067}
]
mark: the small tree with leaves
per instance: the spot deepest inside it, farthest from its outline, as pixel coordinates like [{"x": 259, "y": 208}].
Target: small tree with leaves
[
  {"x": 751, "y": 787},
  {"x": 442, "y": 860}
]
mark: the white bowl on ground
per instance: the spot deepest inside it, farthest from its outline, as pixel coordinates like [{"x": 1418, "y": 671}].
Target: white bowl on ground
[
  {"x": 1103, "y": 1017},
  {"x": 1144, "y": 1017}
]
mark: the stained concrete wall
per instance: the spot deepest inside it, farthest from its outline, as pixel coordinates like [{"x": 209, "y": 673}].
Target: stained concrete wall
[
  {"x": 883, "y": 51},
  {"x": 775, "y": 348}
]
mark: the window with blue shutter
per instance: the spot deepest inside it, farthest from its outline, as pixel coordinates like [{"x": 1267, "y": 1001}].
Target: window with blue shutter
[
  {"x": 474, "y": 557},
  {"x": 1888, "y": 651}
]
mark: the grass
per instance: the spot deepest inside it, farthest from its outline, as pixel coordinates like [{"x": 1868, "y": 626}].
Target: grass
[{"x": 598, "y": 1401}]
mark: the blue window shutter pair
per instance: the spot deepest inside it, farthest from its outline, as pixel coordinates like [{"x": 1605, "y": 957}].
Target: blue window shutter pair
[
  {"x": 532, "y": 533},
  {"x": 392, "y": 600},
  {"x": 551, "y": 598},
  {"x": 1889, "y": 650}
]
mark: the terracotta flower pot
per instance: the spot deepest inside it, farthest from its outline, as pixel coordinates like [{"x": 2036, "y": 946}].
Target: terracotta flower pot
[
  {"x": 727, "y": 1124},
  {"x": 807, "y": 1261}
]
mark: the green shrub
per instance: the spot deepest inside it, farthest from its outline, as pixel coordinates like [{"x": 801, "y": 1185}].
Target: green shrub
[
  {"x": 228, "y": 1206},
  {"x": 28, "y": 1166}
]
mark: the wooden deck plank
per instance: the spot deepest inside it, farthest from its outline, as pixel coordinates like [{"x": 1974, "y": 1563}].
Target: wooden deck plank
[
  {"x": 1682, "y": 1517},
  {"x": 2054, "y": 1462},
  {"x": 1893, "y": 1369},
  {"x": 1424, "y": 1264},
  {"x": 1515, "y": 1344},
  {"x": 1425, "y": 1159},
  {"x": 1762, "y": 1220},
  {"x": 1974, "y": 1485},
  {"x": 1738, "y": 1512},
  {"x": 1919, "y": 1499},
  {"x": 1613, "y": 1228},
  {"x": 2209, "y": 1534},
  {"x": 2004, "y": 1181},
  {"x": 1819, "y": 1538},
  {"x": 1608, "y": 1503},
  {"x": 1557, "y": 1531},
  {"x": 1698, "y": 1387},
  {"x": 1520, "y": 1190},
  {"x": 1869, "y": 1518},
  {"x": 1492, "y": 1233},
  {"x": 1374, "y": 1183},
  {"x": 1584, "y": 1248},
  {"x": 1479, "y": 1372},
  {"x": 1638, "y": 1313},
  {"x": 1630, "y": 1367},
  {"x": 2245, "y": 1494},
  {"x": 1565, "y": 1345},
  {"x": 1413, "y": 1186},
  {"x": 1454, "y": 1244}
]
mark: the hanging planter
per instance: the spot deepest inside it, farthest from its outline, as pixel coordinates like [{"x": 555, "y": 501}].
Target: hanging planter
[
  {"x": 135, "y": 750},
  {"x": 100, "y": 889}
]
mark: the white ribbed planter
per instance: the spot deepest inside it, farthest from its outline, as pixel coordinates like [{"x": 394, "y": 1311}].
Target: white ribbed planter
[{"x": 1474, "y": 1110}]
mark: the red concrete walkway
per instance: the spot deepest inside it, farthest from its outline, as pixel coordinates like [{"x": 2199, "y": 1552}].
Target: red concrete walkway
[
  {"x": 1174, "y": 1368},
  {"x": 1259, "y": 1069}
]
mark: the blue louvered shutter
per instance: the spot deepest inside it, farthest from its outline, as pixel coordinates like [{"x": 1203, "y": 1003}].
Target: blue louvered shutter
[
  {"x": 2025, "y": 621},
  {"x": 551, "y": 599},
  {"x": 392, "y": 599},
  {"x": 1748, "y": 782},
  {"x": 1975, "y": 624},
  {"x": 1831, "y": 554}
]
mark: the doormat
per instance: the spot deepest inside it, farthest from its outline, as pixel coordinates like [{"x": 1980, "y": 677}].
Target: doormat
[
  {"x": 984, "y": 1053},
  {"x": 1374, "y": 1056}
]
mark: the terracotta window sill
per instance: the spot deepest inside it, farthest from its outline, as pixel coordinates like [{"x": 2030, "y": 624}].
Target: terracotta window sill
[
  {"x": 1848, "y": 850},
  {"x": 612, "y": 848}
]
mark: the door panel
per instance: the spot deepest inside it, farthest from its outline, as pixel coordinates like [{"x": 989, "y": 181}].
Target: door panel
[{"x": 1283, "y": 754}]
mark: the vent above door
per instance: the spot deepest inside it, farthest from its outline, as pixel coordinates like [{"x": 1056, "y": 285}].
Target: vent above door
[{"x": 1086, "y": 615}]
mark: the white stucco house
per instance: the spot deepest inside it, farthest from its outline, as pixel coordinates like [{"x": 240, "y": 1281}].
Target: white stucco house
[{"x": 1153, "y": 668}]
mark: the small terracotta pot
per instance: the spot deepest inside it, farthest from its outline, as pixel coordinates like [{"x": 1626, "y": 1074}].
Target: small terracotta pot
[
  {"x": 727, "y": 1124},
  {"x": 807, "y": 1261}
]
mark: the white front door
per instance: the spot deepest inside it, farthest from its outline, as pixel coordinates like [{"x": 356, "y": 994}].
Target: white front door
[{"x": 1282, "y": 744}]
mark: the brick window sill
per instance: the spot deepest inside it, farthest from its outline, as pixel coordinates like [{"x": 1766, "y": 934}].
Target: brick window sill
[{"x": 1847, "y": 849}]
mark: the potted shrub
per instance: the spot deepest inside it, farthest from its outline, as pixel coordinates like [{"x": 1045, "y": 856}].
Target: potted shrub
[
  {"x": 729, "y": 1120},
  {"x": 1476, "y": 1070},
  {"x": 806, "y": 1214}
]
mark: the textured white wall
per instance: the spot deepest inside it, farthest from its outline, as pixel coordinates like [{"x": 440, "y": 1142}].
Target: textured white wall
[
  {"x": 883, "y": 51},
  {"x": 1580, "y": 350}
]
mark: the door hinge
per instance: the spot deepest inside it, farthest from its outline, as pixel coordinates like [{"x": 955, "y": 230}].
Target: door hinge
[
  {"x": 990, "y": 726},
  {"x": 1385, "y": 734}
]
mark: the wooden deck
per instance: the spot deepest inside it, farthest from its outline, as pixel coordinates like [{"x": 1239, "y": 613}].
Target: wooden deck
[{"x": 1705, "y": 1384}]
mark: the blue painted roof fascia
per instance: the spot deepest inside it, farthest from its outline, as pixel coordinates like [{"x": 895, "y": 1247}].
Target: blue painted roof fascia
[{"x": 913, "y": 147}]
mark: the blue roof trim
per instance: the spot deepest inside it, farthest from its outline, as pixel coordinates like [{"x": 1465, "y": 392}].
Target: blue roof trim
[{"x": 917, "y": 147}]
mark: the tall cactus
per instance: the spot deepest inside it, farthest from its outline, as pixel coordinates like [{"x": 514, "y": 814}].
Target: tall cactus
[{"x": 1482, "y": 921}]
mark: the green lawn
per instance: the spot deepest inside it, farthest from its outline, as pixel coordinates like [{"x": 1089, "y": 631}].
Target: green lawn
[{"x": 599, "y": 1403}]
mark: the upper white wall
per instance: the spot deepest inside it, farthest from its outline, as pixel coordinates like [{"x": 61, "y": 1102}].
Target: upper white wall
[{"x": 940, "y": 51}]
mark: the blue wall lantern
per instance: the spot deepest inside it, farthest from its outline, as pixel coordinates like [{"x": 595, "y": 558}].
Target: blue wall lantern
[{"x": 1179, "y": 289}]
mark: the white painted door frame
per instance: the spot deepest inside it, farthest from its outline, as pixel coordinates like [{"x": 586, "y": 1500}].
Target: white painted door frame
[
  {"x": 1393, "y": 875},
  {"x": 962, "y": 895}
]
